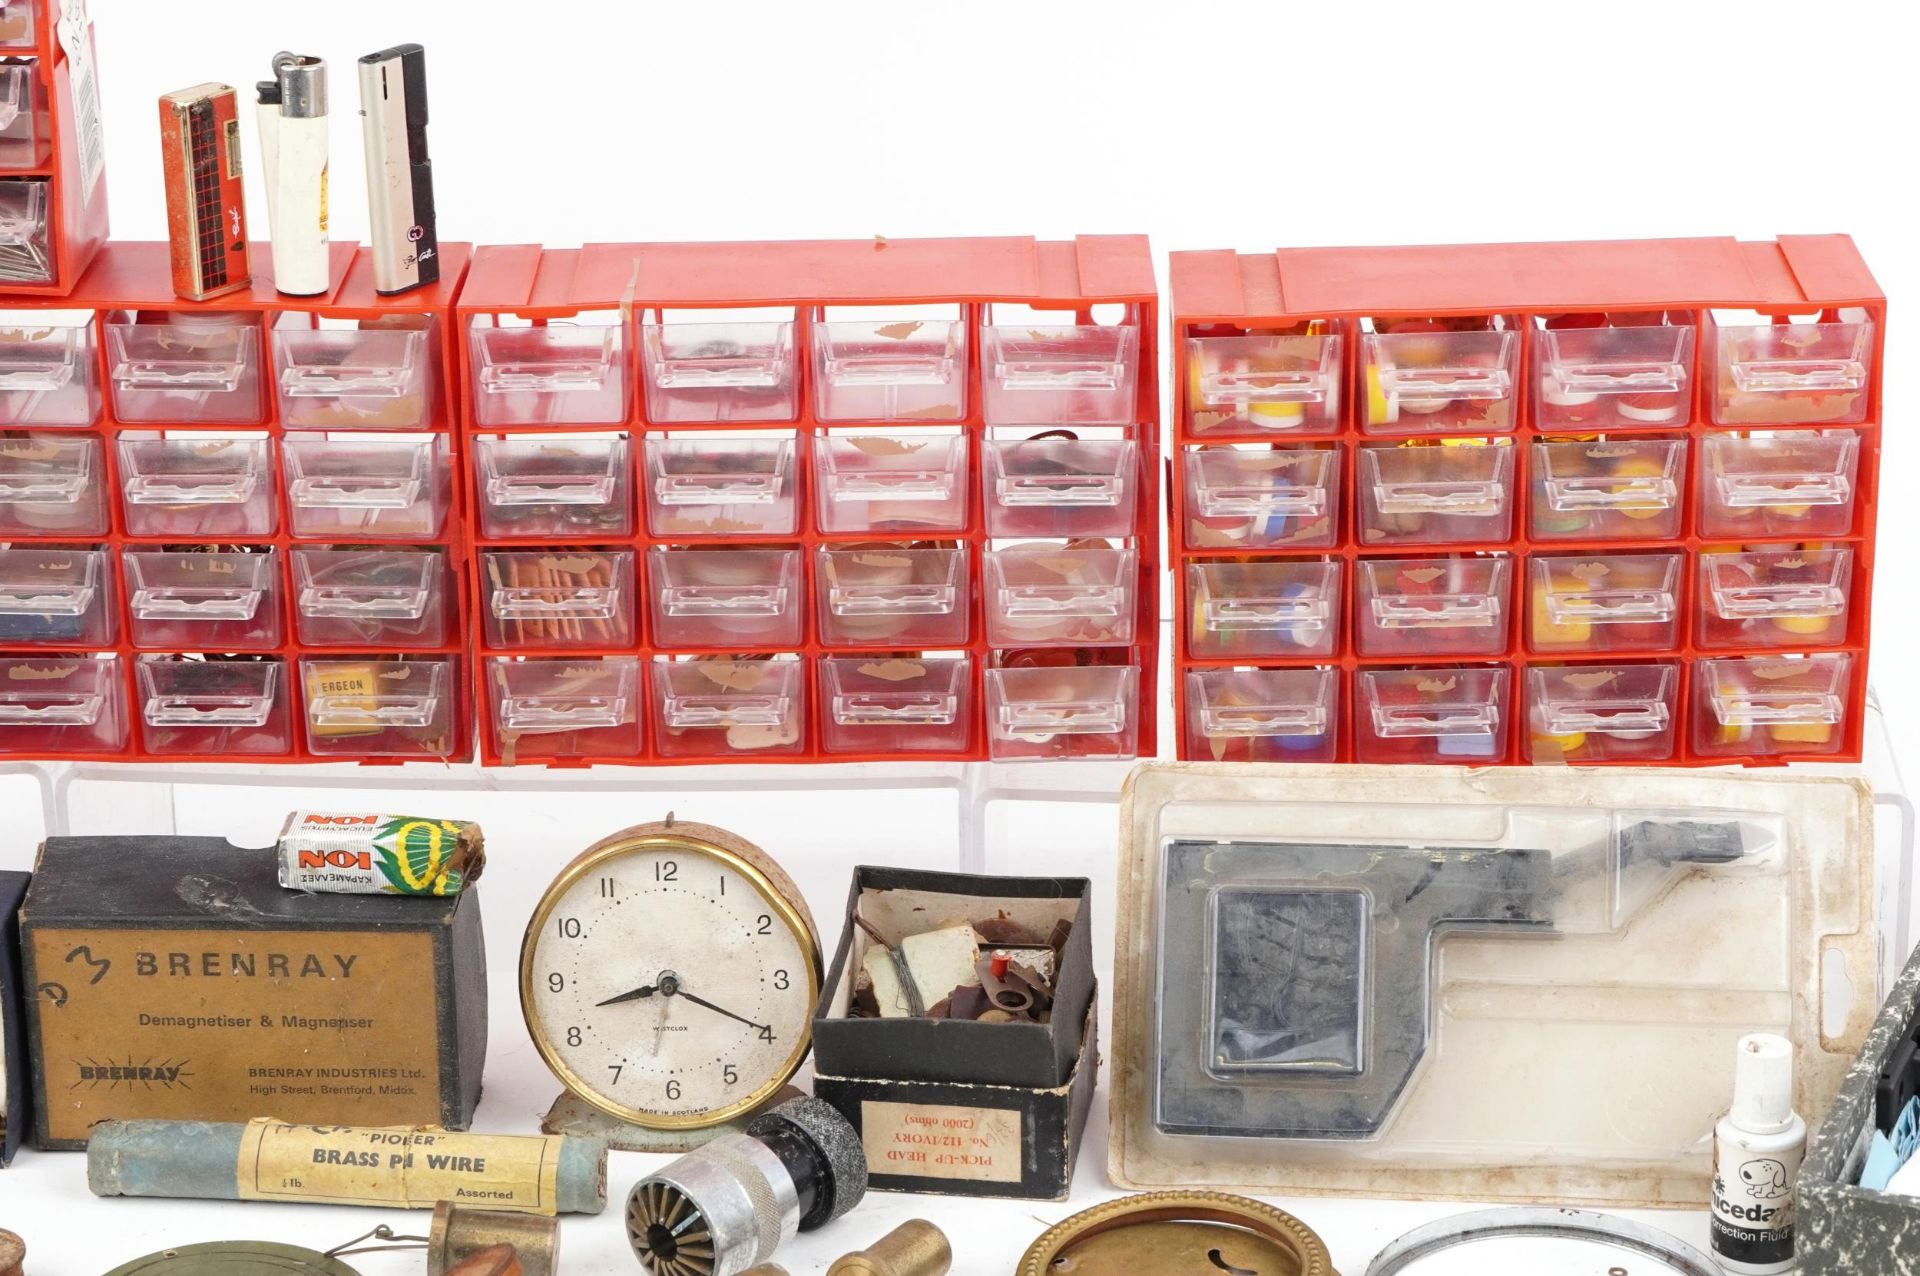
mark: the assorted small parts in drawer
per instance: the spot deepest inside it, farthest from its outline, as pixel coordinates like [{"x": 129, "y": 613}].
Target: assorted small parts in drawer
[
  {"x": 26, "y": 240},
  {"x": 193, "y": 486},
  {"x": 575, "y": 488},
  {"x": 1789, "y": 483},
  {"x": 1058, "y": 703},
  {"x": 356, "y": 374},
  {"x": 1077, "y": 593},
  {"x": 1772, "y": 706},
  {"x": 911, "y": 703},
  {"x": 363, "y": 706},
  {"x": 1051, "y": 368},
  {"x": 726, "y": 597},
  {"x": 53, "y": 485},
  {"x": 1255, "y": 383},
  {"x": 200, "y": 367},
  {"x": 555, "y": 598},
  {"x": 1453, "y": 713},
  {"x": 1256, "y": 497},
  {"x": 356, "y": 487},
  {"x": 893, "y": 484},
  {"x": 25, "y": 136},
  {"x": 49, "y": 369},
  {"x": 1060, "y": 482},
  {"x": 214, "y": 705},
  {"x": 718, "y": 707},
  {"x": 1602, "y": 713},
  {"x": 904, "y": 364},
  {"x": 560, "y": 372},
  {"x": 372, "y": 596},
  {"x": 722, "y": 484},
  {"x": 720, "y": 366},
  {"x": 58, "y": 703},
  {"x": 16, "y": 25},
  {"x": 1247, "y": 608},
  {"x": 1619, "y": 370},
  {"x": 1455, "y": 375},
  {"x": 893, "y": 593},
  {"x": 204, "y": 597},
  {"x": 1460, "y": 605},
  {"x": 1456, "y": 493},
  {"x": 61, "y": 596},
  {"x": 1262, "y": 715},
  {"x": 545, "y": 709},
  {"x": 1600, "y": 488},
  {"x": 1775, "y": 595},
  {"x": 1785, "y": 369},
  {"x": 1604, "y": 602}
]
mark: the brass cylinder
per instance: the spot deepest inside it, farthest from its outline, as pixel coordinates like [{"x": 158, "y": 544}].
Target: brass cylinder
[
  {"x": 915, "y": 1248},
  {"x": 765, "y": 1269},
  {"x": 494, "y": 1260},
  {"x": 459, "y": 1233},
  {"x": 13, "y": 1253}
]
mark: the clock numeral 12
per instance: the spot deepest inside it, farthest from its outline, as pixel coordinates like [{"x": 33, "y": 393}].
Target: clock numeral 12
[{"x": 666, "y": 871}]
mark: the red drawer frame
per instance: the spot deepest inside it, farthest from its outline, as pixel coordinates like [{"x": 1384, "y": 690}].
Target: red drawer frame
[
  {"x": 137, "y": 276},
  {"x": 1798, "y": 274},
  {"x": 550, "y": 284}
]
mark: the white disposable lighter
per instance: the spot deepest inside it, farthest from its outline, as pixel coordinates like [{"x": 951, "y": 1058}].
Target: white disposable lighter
[{"x": 293, "y": 151}]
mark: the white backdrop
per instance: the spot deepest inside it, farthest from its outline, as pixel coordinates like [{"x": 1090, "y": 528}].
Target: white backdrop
[{"x": 1244, "y": 126}]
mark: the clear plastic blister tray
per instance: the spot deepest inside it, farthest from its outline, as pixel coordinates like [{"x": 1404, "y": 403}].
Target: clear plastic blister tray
[{"x": 1491, "y": 985}]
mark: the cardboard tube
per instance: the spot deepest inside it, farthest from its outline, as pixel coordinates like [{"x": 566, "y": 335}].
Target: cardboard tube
[{"x": 219, "y": 1161}]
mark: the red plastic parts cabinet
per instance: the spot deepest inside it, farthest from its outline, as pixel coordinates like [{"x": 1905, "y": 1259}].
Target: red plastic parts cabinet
[
  {"x": 231, "y": 530},
  {"x": 53, "y": 191},
  {"x": 813, "y": 501},
  {"x": 1525, "y": 503}
]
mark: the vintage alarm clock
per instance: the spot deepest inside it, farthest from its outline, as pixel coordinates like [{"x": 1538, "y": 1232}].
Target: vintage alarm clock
[{"x": 669, "y": 976}]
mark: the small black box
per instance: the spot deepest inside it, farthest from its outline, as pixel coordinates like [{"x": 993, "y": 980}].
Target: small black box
[
  {"x": 960, "y": 1107},
  {"x": 176, "y": 979},
  {"x": 17, "y": 1114}
]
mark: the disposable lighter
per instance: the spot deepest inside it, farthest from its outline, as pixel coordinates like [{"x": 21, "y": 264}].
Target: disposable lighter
[
  {"x": 293, "y": 152},
  {"x": 393, "y": 116},
  {"x": 206, "y": 208}
]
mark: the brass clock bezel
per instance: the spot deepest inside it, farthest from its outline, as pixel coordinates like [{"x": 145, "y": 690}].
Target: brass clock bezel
[{"x": 743, "y": 858}]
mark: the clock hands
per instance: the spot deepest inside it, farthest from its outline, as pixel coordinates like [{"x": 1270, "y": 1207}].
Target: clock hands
[
  {"x": 700, "y": 1001},
  {"x": 667, "y": 984}
]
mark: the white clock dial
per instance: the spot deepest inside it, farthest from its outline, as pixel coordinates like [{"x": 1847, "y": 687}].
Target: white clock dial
[{"x": 669, "y": 983}]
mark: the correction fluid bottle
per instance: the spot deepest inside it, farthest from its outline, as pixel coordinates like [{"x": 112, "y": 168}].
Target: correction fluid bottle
[{"x": 1756, "y": 1157}]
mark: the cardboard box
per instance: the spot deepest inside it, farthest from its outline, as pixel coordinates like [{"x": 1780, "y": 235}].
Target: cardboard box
[
  {"x": 16, "y": 1096},
  {"x": 958, "y": 1107},
  {"x": 955, "y": 1138},
  {"x": 177, "y": 980}
]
